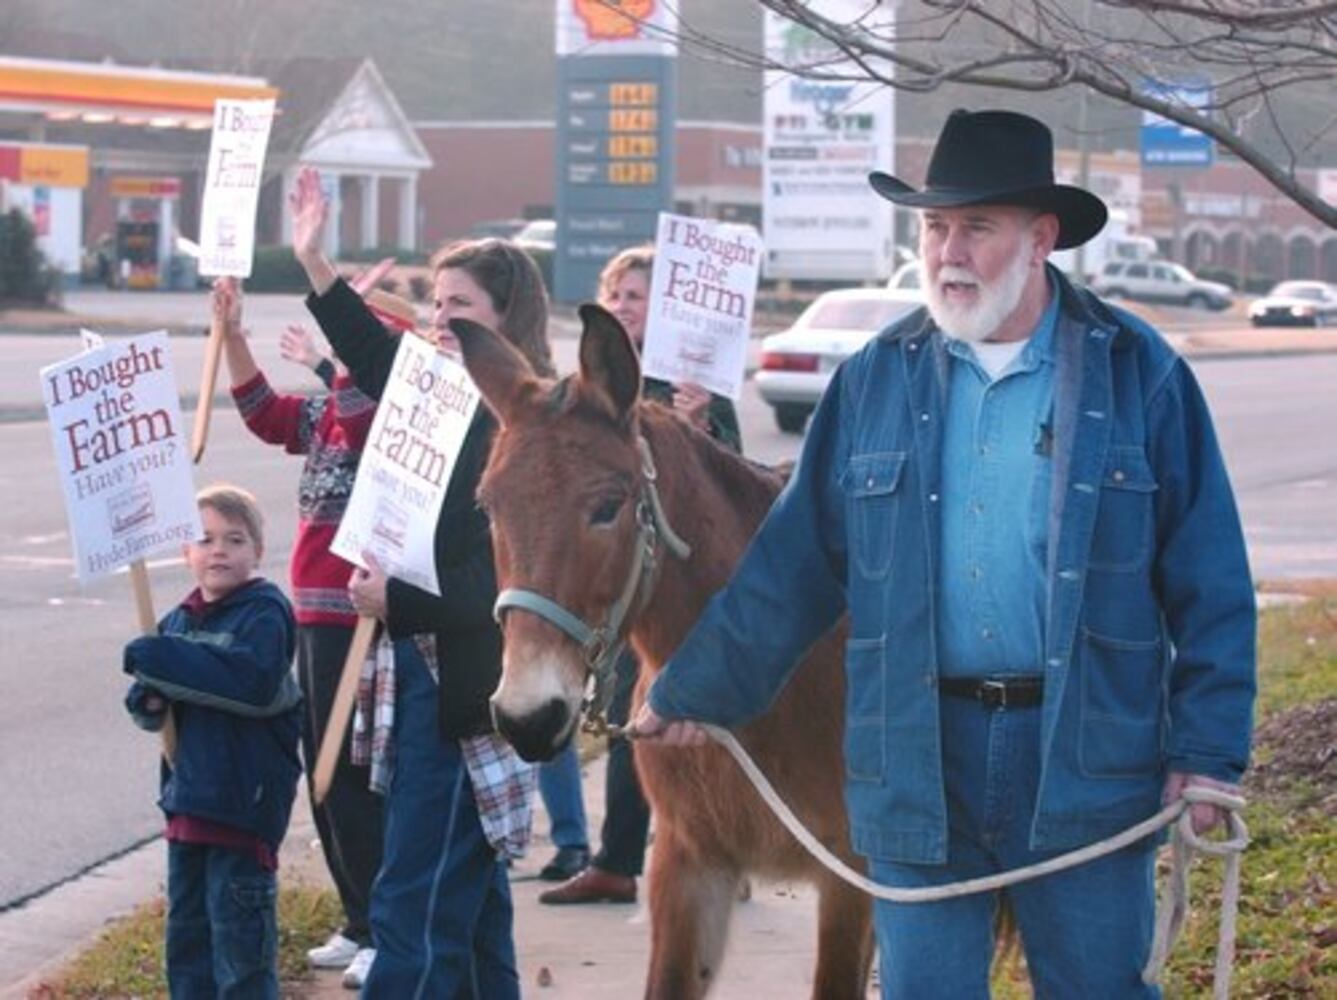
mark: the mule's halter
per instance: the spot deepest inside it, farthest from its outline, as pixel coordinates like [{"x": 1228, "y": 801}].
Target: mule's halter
[{"x": 601, "y": 645}]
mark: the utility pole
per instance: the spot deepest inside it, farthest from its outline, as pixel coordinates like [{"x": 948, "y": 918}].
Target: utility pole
[{"x": 1083, "y": 148}]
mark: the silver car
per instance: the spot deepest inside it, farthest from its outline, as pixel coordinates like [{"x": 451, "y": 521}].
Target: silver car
[
  {"x": 1296, "y": 303},
  {"x": 797, "y": 364},
  {"x": 1160, "y": 281}
]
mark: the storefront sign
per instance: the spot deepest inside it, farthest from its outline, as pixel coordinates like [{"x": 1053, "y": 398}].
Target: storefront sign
[
  {"x": 145, "y": 187},
  {"x": 822, "y": 138},
  {"x": 49, "y": 166}
]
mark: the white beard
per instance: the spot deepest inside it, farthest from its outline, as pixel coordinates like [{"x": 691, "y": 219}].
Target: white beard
[{"x": 995, "y": 301}]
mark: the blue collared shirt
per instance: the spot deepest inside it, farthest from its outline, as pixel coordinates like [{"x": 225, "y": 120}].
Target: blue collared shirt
[{"x": 995, "y": 500}]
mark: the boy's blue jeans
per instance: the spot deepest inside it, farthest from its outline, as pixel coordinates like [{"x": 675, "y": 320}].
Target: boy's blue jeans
[
  {"x": 1086, "y": 931},
  {"x": 563, "y": 798},
  {"x": 222, "y": 929},
  {"x": 441, "y": 905}
]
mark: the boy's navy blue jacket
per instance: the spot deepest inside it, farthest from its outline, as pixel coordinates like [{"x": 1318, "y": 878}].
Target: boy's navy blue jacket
[{"x": 227, "y": 673}]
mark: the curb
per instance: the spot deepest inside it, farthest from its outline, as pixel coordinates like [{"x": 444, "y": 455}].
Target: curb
[{"x": 75, "y": 911}]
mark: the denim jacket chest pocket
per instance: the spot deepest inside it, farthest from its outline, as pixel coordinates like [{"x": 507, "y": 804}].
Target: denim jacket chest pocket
[
  {"x": 873, "y": 497},
  {"x": 1123, "y": 531}
]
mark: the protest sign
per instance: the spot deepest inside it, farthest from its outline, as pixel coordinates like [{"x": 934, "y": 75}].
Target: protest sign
[
  {"x": 227, "y": 222},
  {"x": 701, "y": 297},
  {"x": 116, "y": 425},
  {"x": 232, "y": 186},
  {"x": 424, "y": 414}
]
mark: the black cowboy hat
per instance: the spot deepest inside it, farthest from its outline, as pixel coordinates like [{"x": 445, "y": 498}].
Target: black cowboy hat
[{"x": 999, "y": 158}]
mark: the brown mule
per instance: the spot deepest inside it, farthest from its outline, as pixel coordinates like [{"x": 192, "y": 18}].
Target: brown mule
[{"x": 565, "y": 489}]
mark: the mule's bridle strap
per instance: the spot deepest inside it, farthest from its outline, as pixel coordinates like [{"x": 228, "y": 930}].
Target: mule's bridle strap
[
  {"x": 549, "y": 611},
  {"x": 651, "y": 477}
]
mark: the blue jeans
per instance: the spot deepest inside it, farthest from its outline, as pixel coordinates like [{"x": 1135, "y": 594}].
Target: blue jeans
[
  {"x": 441, "y": 905},
  {"x": 559, "y": 784},
  {"x": 222, "y": 930},
  {"x": 1086, "y": 931}
]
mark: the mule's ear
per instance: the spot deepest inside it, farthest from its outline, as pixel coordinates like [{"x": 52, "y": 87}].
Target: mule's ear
[
  {"x": 608, "y": 361},
  {"x": 503, "y": 375}
]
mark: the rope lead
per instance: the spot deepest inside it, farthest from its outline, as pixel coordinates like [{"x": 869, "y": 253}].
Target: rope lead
[{"x": 1174, "y": 900}]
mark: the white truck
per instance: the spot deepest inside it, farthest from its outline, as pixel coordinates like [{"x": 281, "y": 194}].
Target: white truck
[{"x": 1114, "y": 242}]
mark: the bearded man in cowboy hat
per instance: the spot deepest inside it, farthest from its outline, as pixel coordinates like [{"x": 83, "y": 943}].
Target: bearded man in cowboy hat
[{"x": 1017, "y": 496}]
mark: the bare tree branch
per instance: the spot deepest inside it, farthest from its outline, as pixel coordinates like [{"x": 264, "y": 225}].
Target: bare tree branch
[{"x": 1132, "y": 51}]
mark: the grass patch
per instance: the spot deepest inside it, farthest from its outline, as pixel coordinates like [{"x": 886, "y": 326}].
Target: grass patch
[
  {"x": 127, "y": 959},
  {"x": 1297, "y": 654}
]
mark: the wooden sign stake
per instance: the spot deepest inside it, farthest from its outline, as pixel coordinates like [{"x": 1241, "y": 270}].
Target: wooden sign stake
[
  {"x": 337, "y": 724},
  {"x": 148, "y": 625},
  {"x": 208, "y": 379}
]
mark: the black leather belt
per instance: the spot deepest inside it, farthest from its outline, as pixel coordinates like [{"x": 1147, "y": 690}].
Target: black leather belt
[{"x": 1021, "y": 691}]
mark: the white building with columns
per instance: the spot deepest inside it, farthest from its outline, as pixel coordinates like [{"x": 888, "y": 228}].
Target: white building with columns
[{"x": 339, "y": 116}]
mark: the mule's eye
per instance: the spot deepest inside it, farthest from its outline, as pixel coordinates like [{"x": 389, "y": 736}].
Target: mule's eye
[{"x": 606, "y": 511}]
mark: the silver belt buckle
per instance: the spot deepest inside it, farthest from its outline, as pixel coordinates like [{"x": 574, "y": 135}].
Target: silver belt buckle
[{"x": 993, "y": 693}]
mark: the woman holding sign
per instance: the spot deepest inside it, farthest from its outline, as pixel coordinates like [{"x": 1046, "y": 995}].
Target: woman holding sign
[
  {"x": 441, "y": 907},
  {"x": 624, "y": 290}
]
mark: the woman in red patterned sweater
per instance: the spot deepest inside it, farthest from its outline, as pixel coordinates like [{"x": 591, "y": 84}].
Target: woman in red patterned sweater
[{"x": 330, "y": 429}]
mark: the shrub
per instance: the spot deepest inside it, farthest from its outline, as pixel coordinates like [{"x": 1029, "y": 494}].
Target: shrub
[
  {"x": 275, "y": 269},
  {"x": 25, "y": 275}
]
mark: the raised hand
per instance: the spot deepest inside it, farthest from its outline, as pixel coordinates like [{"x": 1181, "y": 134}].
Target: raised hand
[
  {"x": 297, "y": 344},
  {"x": 310, "y": 212},
  {"x": 371, "y": 277}
]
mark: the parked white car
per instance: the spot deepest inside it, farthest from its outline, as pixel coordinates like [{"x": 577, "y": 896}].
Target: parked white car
[
  {"x": 537, "y": 234},
  {"x": 1160, "y": 281},
  {"x": 796, "y": 364},
  {"x": 1296, "y": 303}
]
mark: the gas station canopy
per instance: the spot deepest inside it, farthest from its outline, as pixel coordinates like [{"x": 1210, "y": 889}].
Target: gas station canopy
[{"x": 96, "y": 93}]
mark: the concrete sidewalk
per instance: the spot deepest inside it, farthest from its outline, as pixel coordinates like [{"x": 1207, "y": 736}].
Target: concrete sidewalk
[{"x": 598, "y": 952}]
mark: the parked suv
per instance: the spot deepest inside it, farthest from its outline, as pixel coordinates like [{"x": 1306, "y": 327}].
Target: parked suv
[{"x": 1160, "y": 281}]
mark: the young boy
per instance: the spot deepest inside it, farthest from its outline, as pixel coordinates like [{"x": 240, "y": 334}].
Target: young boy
[{"x": 221, "y": 660}]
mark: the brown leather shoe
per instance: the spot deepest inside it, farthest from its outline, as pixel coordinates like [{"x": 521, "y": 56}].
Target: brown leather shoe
[{"x": 593, "y": 885}]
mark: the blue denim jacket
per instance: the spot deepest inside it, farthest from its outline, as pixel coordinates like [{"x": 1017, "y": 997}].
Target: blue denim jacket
[{"x": 1150, "y": 619}]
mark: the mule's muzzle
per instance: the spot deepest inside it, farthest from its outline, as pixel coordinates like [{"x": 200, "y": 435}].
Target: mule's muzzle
[{"x": 538, "y": 735}]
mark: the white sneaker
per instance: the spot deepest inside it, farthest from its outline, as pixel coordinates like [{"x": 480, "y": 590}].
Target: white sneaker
[
  {"x": 355, "y": 976},
  {"x": 337, "y": 951}
]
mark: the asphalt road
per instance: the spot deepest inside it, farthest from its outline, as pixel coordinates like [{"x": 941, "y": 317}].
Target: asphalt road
[{"x": 79, "y": 781}]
